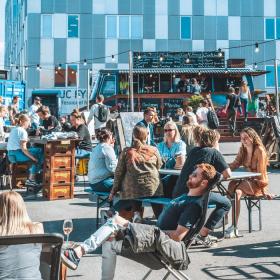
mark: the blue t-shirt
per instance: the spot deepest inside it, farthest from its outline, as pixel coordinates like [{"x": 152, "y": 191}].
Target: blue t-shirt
[
  {"x": 184, "y": 211},
  {"x": 17, "y": 135},
  {"x": 169, "y": 154}
]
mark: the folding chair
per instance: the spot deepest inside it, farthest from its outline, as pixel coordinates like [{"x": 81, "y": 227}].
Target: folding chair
[
  {"x": 50, "y": 251},
  {"x": 151, "y": 258}
]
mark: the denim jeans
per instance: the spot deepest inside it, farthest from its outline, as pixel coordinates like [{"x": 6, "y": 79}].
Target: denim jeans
[
  {"x": 103, "y": 186},
  {"x": 223, "y": 205},
  {"x": 244, "y": 102},
  {"x": 19, "y": 156}
]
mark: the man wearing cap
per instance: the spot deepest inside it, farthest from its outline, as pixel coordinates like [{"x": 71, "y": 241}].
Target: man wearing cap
[{"x": 35, "y": 120}]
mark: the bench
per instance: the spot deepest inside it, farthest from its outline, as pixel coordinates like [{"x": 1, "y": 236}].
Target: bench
[{"x": 255, "y": 202}]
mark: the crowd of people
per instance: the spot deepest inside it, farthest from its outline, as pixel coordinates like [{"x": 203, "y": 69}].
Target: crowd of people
[{"x": 134, "y": 173}]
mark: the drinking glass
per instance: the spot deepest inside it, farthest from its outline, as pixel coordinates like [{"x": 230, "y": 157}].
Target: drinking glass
[{"x": 67, "y": 229}]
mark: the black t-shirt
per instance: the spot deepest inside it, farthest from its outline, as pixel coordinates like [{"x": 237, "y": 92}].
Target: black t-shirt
[
  {"x": 183, "y": 211},
  {"x": 53, "y": 122},
  {"x": 84, "y": 135},
  {"x": 232, "y": 101},
  {"x": 66, "y": 127},
  {"x": 196, "y": 156}
]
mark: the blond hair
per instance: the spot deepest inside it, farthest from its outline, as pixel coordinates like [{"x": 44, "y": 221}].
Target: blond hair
[
  {"x": 172, "y": 125},
  {"x": 14, "y": 218}
]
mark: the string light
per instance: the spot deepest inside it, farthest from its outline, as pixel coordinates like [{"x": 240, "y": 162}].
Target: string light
[
  {"x": 220, "y": 54},
  {"x": 38, "y": 67},
  {"x": 59, "y": 66},
  {"x": 161, "y": 58},
  {"x": 85, "y": 62},
  {"x": 113, "y": 58},
  {"x": 255, "y": 65},
  {"x": 17, "y": 68},
  {"x": 26, "y": 67},
  {"x": 139, "y": 56},
  {"x": 90, "y": 71},
  {"x": 188, "y": 59},
  {"x": 199, "y": 73},
  {"x": 257, "y": 49}
]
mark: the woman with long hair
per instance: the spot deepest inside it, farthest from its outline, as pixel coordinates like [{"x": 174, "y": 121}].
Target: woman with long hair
[
  {"x": 19, "y": 261},
  {"x": 136, "y": 174},
  {"x": 253, "y": 157},
  {"x": 173, "y": 152},
  {"x": 188, "y": 126},
  {"x": 102, "y": 163},
  {"x": 245, "y": 96}
]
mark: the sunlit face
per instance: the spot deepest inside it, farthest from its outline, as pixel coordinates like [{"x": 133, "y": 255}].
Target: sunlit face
[
  {"x": 25, "y": 124},
  {"x": 169, "y": 132},
  {"x": 246, "y": 140},
  {"x": 195, "y": 179},
  {"x": 149, "y": 116},
  {"x": 74, "y": 121}
]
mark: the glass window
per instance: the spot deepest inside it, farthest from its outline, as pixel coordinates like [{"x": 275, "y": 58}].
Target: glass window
[
  {"x": 108, "y": 87},
  {"x": 124, "y": 27},
  {"x": 136, "y": 27},
  {"x": 46, "y": 26},
  {"x": 72, "y": 75},
  {"x": 60, "y": 77},
  {"x": 269, "y": 77},
  {"x": 111, "y": 26},
  {"x": 278, "y": 28},
  {"x": 185, "y": 28},
  {"x": 73, "y": 26},
  {"x": 269, "y": 28}
]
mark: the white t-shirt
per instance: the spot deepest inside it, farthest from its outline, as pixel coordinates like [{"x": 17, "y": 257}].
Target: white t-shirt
[
  {"x": 245, "y": 94},
  {"x": 202, "y": 115},
  {"x": 17, "y": 135},
  {"x": 33, "y": 115}
]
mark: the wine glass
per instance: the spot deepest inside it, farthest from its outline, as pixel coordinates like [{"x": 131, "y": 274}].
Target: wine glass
[{"x": 67, "y": 229}]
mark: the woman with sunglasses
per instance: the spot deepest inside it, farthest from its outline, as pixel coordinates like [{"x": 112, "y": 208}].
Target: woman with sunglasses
[{"x": 173, "y": 153}]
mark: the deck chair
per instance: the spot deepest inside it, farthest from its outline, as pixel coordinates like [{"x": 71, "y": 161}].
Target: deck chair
[
  {"x": 155, "y": 262},
  {"x": 49, "y": 249}
]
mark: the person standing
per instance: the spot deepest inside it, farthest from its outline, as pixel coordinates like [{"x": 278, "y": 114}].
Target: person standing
[
  {"x": 231, "y": 109},
  {"x": 245, "y": 96},
  {"x": 149, "y": 115},
  {"x": 14, "y": 109},
  {"x": 35, "y": 119},
  {"x": 202, "y": 113},
  {"x": 99, "y": 114},
  {"x": 3, "y": 112}
]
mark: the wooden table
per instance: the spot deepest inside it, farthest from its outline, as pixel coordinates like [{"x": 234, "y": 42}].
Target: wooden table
[{"x": 59, "y": 167}]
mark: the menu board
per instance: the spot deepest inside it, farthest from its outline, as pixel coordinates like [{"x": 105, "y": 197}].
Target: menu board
[
  {"x": 171, "y": 106},
  {"x": 143, "y": 60}
]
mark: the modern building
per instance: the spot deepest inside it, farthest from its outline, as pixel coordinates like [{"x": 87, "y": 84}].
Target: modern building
[{"x": 48, "y": 41}]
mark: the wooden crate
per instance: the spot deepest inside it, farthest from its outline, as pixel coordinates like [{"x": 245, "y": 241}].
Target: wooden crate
[
  {"x": 58, "y": 192},
  {"x": 62, "y": 176},
  {"x": 58, "y": 147},
  {"x": 20, "y": 174},
  {"x": 59, "y": 162}
]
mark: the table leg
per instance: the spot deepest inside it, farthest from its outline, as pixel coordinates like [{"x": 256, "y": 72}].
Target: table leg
[{"x": 234, "y": 216}]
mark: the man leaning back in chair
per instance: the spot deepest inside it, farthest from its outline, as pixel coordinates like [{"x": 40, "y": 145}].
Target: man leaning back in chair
[{"x": 173, "y": 225}]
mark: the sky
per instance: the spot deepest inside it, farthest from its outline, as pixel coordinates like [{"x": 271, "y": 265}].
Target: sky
[{"x": 2, "y": 31}]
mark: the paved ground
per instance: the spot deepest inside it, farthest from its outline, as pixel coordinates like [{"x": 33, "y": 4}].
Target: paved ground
[{"x": 254, "y": 256}]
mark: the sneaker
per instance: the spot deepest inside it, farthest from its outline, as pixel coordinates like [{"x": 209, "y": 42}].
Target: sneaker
[
  {"x": 231, "y": 232},
  {"x": 137, "y": 218},
  {"x": 206, "y": 241},
  {"x": 70, "y": 259}
]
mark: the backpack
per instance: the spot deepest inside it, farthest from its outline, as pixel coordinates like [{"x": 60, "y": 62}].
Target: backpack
[
  {"x": 102, "y": 113},
  {"x": 213, "y": 120}
]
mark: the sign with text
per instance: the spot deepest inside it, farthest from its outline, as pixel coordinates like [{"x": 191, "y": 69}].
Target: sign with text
[
  {"x": 143, "y": 60},
  {"x": 71, "y": 98}
]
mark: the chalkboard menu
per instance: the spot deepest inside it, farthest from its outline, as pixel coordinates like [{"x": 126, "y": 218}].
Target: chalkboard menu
[
  {"x": 143, "y": 60},
  {"x": 149, "y": 102},
  {"x": 171, "y": 106}
]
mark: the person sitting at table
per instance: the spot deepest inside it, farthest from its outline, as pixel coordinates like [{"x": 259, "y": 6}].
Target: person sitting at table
[
  {"x": 177, "y": 218},
  {"x": 103, "y": 162},
  {"x": 206, "y": 152},
  {"x": 188, "y": 127},
  {"x": 3, "y": 112},
  {"x": 136, "y": 174},
  {"x": 49, "y": 122},
  {"x": 173, "y": 152},
  {"x": 18, "y": 261},
  {"x": 18, "y": 151},
  {"x": 252, "y": 155},
  {"x": 84, "y": 147}
]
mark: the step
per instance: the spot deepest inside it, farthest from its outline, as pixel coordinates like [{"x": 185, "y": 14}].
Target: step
[{"x": 229, "y": 139}]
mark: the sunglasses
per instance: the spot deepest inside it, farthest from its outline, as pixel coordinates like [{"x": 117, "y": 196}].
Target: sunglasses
[{"x": 169, "y": 130}]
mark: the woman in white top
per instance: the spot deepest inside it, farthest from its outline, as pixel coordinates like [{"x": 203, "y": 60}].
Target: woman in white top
[
  {"x": 245, "y": 95},
  {"x": 202, "y": 112}
]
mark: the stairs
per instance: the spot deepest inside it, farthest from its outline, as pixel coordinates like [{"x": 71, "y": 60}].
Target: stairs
[{"x": 226, "y": 135}]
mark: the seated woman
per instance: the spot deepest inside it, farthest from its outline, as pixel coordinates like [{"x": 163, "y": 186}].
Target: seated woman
[
  {"x": 173, "y": 153},
  {"x": 49, "y": 122},
  {"x": 84, "y": 146},
  {"x": 253, "y": 157},
  {"x": 18, "y": 152},
  {"x": 187, "y": 133},
  {"x": 102, "y": 163},
  {"x": 136, "y": 174},
  {"x": 18, "y": 261}
]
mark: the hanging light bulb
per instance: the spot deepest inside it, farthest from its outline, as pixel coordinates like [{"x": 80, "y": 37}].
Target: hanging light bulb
[
  {"x": 85, "y": 62},
  {"x": 90, "y": 71},
  {"x": 226, "y": 72},
  {"x": 174, "y": 76},
  {"x": 59, "y": 66},
  {"x": 113, "y": 58},
  {"x": 199, "y": 73},
  {"x": 188, "y": 60},
  {"x": 257, "y": 49},
  {"x": 161, "y": 58},
  {"x": 56, "y": 72},
  {"x": 255, "y": 65},
  {"x": 139, "y": 56},
  {"x": 17, "y": 68},
  {"x": 38, "y": 67},
  {"x": 220, "y": 54},
  {"x": 26, "y": 67}
]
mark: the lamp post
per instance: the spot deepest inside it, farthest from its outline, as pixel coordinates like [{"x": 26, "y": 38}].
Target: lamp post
[
  {"x": 131, "y": 81},
  {"x": 276, "y": 86}
]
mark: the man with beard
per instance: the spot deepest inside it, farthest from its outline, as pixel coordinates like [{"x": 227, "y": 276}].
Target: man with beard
[{"x": 174, "y": 223}]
